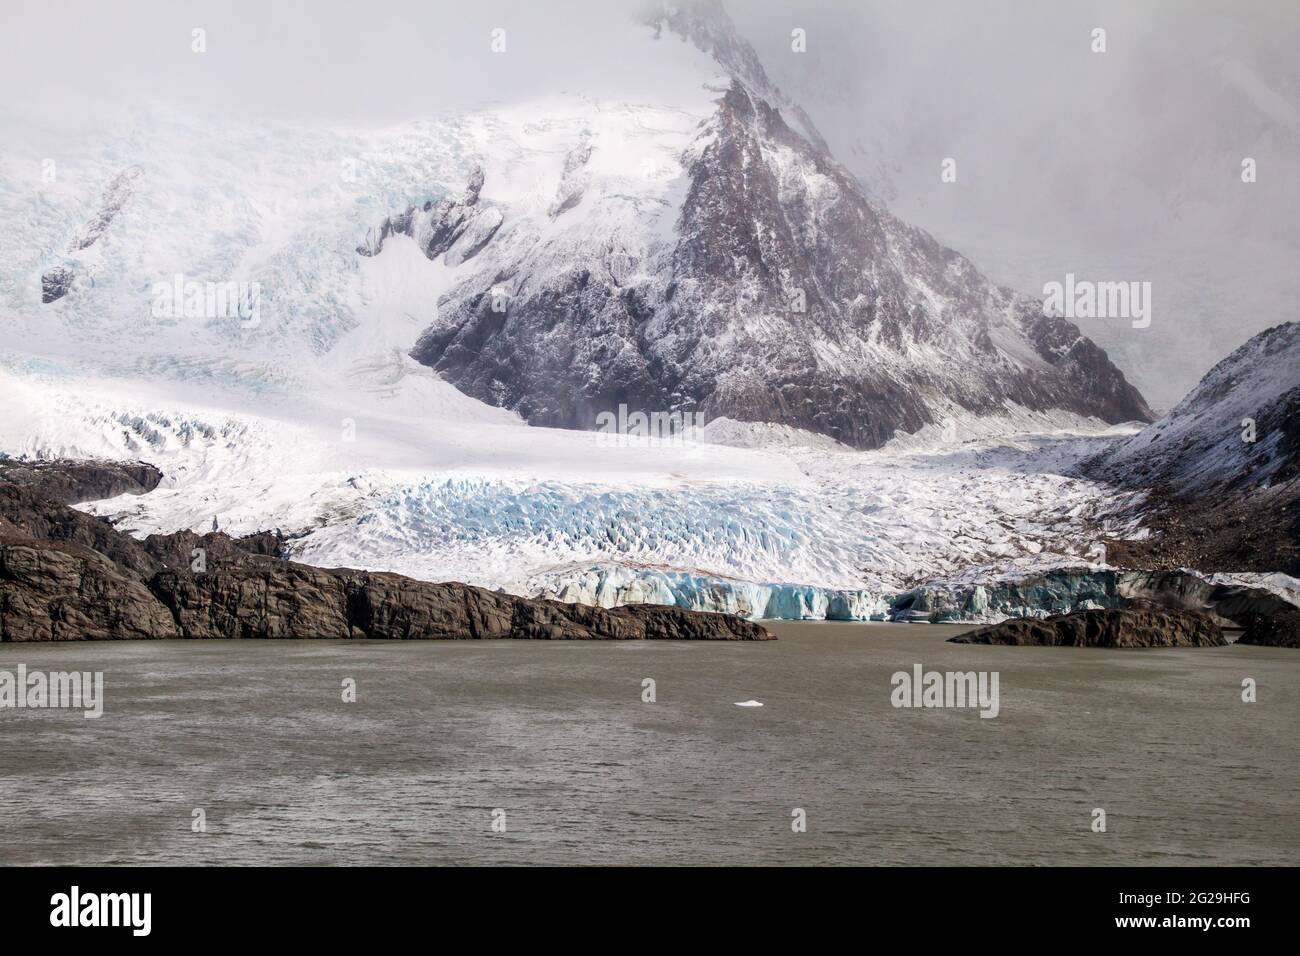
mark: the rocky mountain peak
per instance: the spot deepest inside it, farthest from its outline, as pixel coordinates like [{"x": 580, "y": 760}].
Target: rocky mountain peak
[{"x": 783, "y": 294}]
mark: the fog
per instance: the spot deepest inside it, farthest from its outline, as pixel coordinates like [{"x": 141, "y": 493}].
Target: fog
[
  {"x": 1122, "y": 165},
  {"x": 305, "y": 61}
]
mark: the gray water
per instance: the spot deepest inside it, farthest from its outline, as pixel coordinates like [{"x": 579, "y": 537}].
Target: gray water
[{"x": 556, "y": 735}]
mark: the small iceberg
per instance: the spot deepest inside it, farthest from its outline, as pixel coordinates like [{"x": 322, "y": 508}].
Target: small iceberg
[{"x": 748, "y": 703}]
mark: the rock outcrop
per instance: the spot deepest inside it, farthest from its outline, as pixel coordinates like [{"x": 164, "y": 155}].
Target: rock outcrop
[
  {"x": 27, "y": 514},
  {"x": 1066, "y": 590},
  {"x": 1111, "y": 627},
  {"x": 68, "y": 481},
  {"x": 57, "y": 281},
  {"x": 268, "y": 598},
  {"x": 1232, "y": 605},
  {"x": 438, "y": 228},
  {"x": 65, "y": 575},
  {"x": 181, "y": 549},
  {"x": 1280, "y": 629},
  {"x": 59, "y": 591}
]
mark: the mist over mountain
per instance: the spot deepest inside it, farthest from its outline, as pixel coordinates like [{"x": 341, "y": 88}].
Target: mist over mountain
[
  {"x": 1123, "y": 165},
  {"x": 688, "y": 250},
  {"x": 766, "y": 288},
  {"x": 383, "y": 317},
  {"x": 648, "y": 432},
  {"x": 1116, "y": 165}
]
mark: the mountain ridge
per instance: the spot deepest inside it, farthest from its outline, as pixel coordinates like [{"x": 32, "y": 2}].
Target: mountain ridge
[
  {"x": 784, "y": 295},
  {"x": 1223, "y": 466}
]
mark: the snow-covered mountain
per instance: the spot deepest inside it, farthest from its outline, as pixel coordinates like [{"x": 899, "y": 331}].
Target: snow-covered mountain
[
  {"x": 1237, "y": 431},
  {"x": 694, "y": 253},
  {"x": 751, "y": 278},
  {"x": 1065, "y": 165},
  {"x": 1222, "y": 469},
  {"x": 545, "y": 261}
]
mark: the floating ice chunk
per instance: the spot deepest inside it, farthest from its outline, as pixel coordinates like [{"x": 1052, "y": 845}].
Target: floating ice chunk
[{"x": 748, "y": 703}]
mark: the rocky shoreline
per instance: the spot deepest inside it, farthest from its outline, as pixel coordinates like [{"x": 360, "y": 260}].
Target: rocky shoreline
[
  {"x": 1170, "y": 609},
  {"x": 1273, "y": 630},
  {"x": 68, "y": 576},
  {"x": 1147, "y": 626}
]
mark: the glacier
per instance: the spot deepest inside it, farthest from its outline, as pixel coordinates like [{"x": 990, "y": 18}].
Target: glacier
[
  {"x": 320, "y": 424},
  {"x": 771, "y": 524},
  {"x": 613, "y": 585}
]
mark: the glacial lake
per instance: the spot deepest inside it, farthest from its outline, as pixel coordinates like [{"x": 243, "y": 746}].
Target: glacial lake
[{"x": 554, "y": 744}]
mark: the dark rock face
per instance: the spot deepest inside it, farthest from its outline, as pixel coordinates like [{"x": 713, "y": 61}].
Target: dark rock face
[
  {"x": 437, "y": 228},
  {"x": 279, "y": 601},
  {"x": 59, "y": 591},
  {"x": 1129, "y": 627},
  {"x": 754, "y": 245},
  {"x": 65, "y": 575},
  {"x": 115, "y": 197},
  {"x": 785, "y": 295},
  {"x": 1281, "y": 629},
  {"x": 69, "y": 482},
  {"x": 177, "y": 550},
  {"x": 26, "y": 513},
  {"x": 55, "y": 284},
  {"x": 1256, "y": 530},
  {"x": 267, "y": 598},
  {"x": 1234, "y": 604},
  {"x": 675, "y": 624},
  {"x": 30, "y": 507}
]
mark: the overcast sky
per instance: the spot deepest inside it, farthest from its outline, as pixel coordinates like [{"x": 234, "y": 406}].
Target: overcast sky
[
  {"x": 1123, "y": 165},
  {"x": 1116, "y": 165},
  {"x": 327, "y": 61}
]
